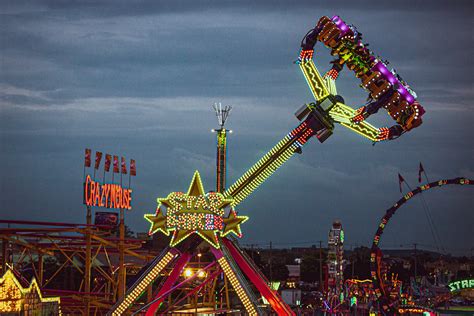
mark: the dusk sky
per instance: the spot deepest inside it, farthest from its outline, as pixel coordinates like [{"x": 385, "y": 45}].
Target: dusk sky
[{"x": 139, "y": 81}]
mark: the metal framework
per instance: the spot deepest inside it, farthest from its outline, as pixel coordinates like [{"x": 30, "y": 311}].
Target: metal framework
[
  {"x": 55, "y": 254},
  {"x": 222, "y": 114},
  {"x": 335, "y": 259}
]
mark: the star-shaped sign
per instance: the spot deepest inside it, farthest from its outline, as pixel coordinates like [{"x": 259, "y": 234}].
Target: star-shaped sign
[
  {"x": 232, "y": 224},
  {"x": 158, "y": 222},
  {"x": 195, "y": 212}
]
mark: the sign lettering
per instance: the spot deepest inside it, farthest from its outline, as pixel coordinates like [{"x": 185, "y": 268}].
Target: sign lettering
[
  {"x": 461, "y": 285},
  {"x": 106, "y": 195}
]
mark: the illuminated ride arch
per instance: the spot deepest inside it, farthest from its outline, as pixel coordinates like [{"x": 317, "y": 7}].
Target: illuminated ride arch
[
  {"x": 375, "y": 255},
  {"x": 196, "y": 217}
]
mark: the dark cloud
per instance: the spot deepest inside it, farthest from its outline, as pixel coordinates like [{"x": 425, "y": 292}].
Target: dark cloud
[{"x": 139, "y": 80}]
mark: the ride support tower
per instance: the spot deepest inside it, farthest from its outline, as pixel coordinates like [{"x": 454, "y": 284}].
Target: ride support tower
[{"x": 222, "y": 114}]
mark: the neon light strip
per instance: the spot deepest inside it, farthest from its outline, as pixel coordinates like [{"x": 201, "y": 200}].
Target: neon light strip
[
  {"x": 314, "y": 80},
  {"x": 277, "y": 303},
  {"x": 342, "y": 114},
  {"x": 268, "y": 164},
  {"x": 170, "y": 281},
  {"x": 259, "y": 167},
  {"x": 361, "y": 130},
  {"x": 330, "y": 83},
  {"x": 244, "y": 298},
  {"x": 258, "y": 178},
  {"x": 221, "y": 160},
  {"x": 359, "y": 281},
  {"x": 134, "y": 292}
]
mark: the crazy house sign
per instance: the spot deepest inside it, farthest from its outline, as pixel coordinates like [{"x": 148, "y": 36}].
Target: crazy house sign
[{"x": 108, "y": 195}]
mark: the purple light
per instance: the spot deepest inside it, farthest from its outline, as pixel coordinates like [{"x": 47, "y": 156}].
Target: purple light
[
  {"x": 327, "y": 306},
  {"x": 380, "y": 67},
  {"x": 340, "y": 24}
]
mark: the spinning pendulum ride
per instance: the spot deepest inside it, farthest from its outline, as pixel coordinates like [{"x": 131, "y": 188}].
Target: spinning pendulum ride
[{"x": 196, "y": 217}]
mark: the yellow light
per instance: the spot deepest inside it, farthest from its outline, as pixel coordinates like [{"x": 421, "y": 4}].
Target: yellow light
[
  {"x": 188, "y": 272},
  {"x": 237, "y": 286},
  {"x": 201, "y": 274},
  {"x": 135, "y": 292},
  {"x": 13, "y": 295}
]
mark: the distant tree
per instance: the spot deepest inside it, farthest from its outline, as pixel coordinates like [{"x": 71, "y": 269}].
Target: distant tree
[
  {"x": 255, "y": 255},
  {"x": 274, "y": 267},
  {"x": 129, "y": 233},
  {"x": 420, "y": 268},
  {"x": 310, "y": 267},
  {"x": 361, "y": 260},
  {"x": 279, "y": 271}
]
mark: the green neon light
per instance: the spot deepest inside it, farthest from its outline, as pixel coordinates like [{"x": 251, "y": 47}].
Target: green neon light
[
  {"x": 340, "y": 113},
  {"x": 287, "y": 147},
  {"x": 314, "y": 80},
  {"x": 221, "y": 159},
  {"x": 195, "y": 212},
  {"x": 461, "y": 285},
  {"x": 262, "y": 170},
  {"x": 221, "y": 137}
]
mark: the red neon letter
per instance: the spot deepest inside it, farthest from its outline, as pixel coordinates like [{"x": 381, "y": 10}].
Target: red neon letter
[
  {"x": 86, "y": 190},
  {"x": 97, "y": 194},
  {"x": 107, "y": 194},
  {"x": 102, "y": 195},
  {"x": 92, "y": 195},
  {"x": 112, "y": 196},
  {"x": 125, "y": 199},
  {"x": 129, "y": 199}
]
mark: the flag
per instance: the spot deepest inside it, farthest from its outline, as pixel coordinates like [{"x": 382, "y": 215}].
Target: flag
[
  {"x": 400, "y": 181},
  {"x": 116, "y": 164},
  {"x": 87, "y": 161},
  {"x": 98, "y": 158},
  {"x": 133, "y": 167},
  {"x": 419, "y": 172},
  {"x": 108, "y": 161},
  {"x": 124, "y": 166}
]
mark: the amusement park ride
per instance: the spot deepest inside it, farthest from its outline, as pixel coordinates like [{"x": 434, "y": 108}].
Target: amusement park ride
[
  {"x": 383, "y": 287},
  {"x": 204, "y": 224},
  {"x": 195, "y": 218}
]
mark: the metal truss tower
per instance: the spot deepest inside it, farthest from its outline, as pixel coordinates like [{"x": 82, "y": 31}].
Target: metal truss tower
[
  {"x": 222, "y": 114},
  {"x": 335, "y": 259}
]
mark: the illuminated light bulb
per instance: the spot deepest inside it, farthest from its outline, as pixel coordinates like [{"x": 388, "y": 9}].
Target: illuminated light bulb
[{"x": 188, "y": 272}]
